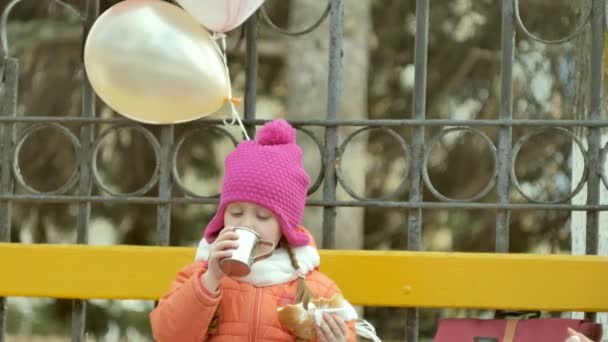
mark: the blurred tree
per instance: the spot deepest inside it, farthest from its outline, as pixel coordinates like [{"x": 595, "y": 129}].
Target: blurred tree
[{"x": 307, "y": 74}]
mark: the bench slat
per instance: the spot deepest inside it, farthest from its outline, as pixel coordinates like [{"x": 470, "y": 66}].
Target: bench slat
[{"x": 372, "y": 278}]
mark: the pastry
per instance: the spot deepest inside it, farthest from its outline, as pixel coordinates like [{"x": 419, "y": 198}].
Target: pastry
[{"x": 301, "y": 322}]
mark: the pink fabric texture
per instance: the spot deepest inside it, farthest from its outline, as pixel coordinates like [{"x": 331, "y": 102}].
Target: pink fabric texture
[
  {"x": 527, "y": 330},
  {"x": 268, "y": 172}
]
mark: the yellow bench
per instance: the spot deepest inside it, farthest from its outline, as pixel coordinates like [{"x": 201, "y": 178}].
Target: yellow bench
[{"x": 371, "y": 278}]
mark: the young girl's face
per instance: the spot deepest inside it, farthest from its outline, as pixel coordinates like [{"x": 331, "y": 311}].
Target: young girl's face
[{"x": 259, "y": 219}]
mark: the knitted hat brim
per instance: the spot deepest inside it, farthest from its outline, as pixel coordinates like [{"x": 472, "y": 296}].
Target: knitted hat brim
[{"x": 292, "y": 235}]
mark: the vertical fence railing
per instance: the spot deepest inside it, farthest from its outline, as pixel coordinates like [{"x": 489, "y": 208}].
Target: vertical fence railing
[
  {"x": 251, "y": 73},
  {"x": 85, "y": 172},
  {"x": 414, "y": 230},
  {"x": 504, "y": 135},
  {"x": 331, "y": 133},
  {"x": 597, "y": 23},
  {"x": 9, "y": 122},
  {"x": 10, "y": 82},
  {"x": 595, "y": 113},
  {"x": 165, "y": 185}
]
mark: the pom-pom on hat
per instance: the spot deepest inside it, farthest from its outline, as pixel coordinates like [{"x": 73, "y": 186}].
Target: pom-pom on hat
[{"x": 268, "y": 172}]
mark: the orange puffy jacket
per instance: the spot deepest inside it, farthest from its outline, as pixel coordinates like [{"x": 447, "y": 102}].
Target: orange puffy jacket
[{"x": 248, "y": 312}]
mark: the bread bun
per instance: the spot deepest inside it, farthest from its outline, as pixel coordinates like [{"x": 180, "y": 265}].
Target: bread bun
[{"x": 301, "y": 322}]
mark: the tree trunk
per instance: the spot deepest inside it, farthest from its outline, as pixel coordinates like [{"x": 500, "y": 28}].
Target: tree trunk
[{"x": 307, "y": 65}]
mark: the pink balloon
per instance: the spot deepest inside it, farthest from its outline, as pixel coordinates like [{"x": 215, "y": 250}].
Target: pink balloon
[{"x": 220, "y": 15}]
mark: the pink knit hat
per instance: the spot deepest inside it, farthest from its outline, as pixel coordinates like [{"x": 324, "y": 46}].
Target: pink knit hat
[{"x": 267, "y": 172}]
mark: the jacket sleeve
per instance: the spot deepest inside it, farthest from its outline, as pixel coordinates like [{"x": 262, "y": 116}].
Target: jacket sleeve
[
  {"x": 186, "y": 310},
  {"x": 327, "y": 289}
]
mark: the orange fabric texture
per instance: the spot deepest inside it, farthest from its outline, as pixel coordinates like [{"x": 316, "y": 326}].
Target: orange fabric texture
[{"x": 248, "y": 313}]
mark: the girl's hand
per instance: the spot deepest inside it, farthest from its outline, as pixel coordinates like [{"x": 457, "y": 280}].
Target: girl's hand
[
  {"x": 220, "y": 249},
  {"x": 332, "y": 329},
  {"x": 574, "y": 336}
]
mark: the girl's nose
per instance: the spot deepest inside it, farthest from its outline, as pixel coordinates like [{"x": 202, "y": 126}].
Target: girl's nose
[{"x": 246, "y": 222}]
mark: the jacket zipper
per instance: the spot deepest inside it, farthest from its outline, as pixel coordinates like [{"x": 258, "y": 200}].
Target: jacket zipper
[{"x": 257, "y": 299}]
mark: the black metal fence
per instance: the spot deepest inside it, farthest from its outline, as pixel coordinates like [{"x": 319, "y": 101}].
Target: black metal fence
[{"x": 15, "y": 130}]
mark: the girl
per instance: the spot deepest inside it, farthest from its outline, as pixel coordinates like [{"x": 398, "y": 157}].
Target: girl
[{"x": 264, "y": 189}]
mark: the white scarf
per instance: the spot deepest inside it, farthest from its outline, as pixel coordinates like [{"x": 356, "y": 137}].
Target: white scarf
[{"x": 274, "y": 270}]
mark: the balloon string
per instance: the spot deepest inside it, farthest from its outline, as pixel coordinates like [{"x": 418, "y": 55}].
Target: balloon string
[
  {"x": 237, "y": 118},
  {"x": 222, "y": 38},
  {"x": 234, "y": 113}
]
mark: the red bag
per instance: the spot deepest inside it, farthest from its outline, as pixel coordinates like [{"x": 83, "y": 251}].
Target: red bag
[{"x": 514, "y": 330}]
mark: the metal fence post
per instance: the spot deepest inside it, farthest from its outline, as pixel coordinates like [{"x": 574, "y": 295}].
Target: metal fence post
[
  {"x": 10, "y": 84},
  {"x": 414, "y": 230},
  {"x": 85, "y": 182},
  {"x": 505, "y": 132},
  {"x": 594, "y": 133},
  {"x": 251, "y": 73},
  {"x": 331, "y": 132}
]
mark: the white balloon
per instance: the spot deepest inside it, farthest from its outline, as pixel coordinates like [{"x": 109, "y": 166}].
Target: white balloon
[
  {"x": 152, "y": 62},
  {"x": 221, "y": 15}
]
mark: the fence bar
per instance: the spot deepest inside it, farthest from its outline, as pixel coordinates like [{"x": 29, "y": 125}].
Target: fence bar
[
  {"x": 504, "y": 135},
  {"x": 414, "y": 229},
  {"x": 594, "y": 133},
  {"x": 7, "y": 140},
  {"x": 165, "y": 183},
  {"x": 331, "y": 133},
  {"x": 314, "y": 203},
  {"x": 85, "y": 181},
  {"x": 251, "y": 72},
  {"x": 335, "y": 123}
]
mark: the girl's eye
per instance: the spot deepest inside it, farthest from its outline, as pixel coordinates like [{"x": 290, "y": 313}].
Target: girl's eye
[
  {"x": 263, "y": 215},
  {"x": 236, "y": 213}
]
